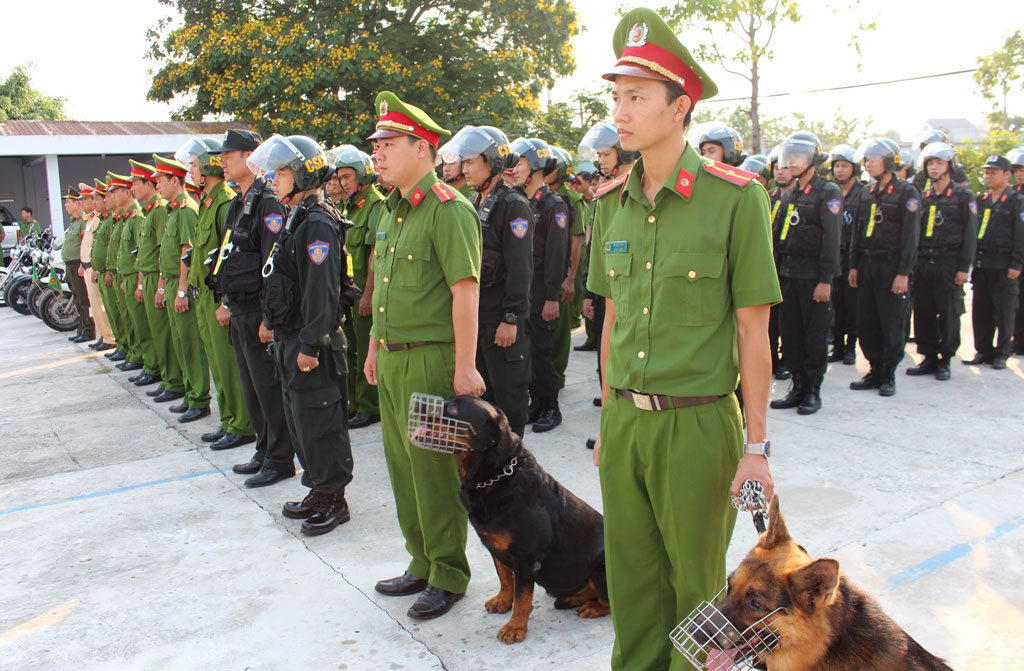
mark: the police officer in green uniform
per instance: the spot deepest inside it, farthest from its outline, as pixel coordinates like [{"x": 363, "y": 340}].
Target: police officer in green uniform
[
  {"x": 997, "y": 265},
  {"x": 550, "y": 262},
  {"x": 154, "y": 209},
  {"x": 844, "y": 170},
  {"x": 949, "y": 237},
  {"x": 685, "y": 261},
  {"x": 202, "y": 157},
  {"x": 28, "y": 225},
  {"x": 722, "y": 144},
  {"x": 172, "y": 288},
  {"x": 70, "y": 254},
  {"x": 572, "y": 285},
  {"x": 363, "y": 204},
  {"x": 306, "y": 303},
  {"x": 882, "y": 256},
  {"x": 426, "y": 262},
  {"x": 100, "y": 247},
  {"x": 255, "y": 219},
  {"x": 122, "y": 330},
  {"x": 141, "y": 355},
  {"x": 506, "y": 225},
  {"x": 807, "y": 254}
]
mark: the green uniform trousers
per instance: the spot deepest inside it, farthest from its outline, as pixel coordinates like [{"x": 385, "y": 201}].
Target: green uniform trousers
[
  {"x": 189, "y": 349},
  {"x": 425, "y": 483},
  {"x": 136, "y": 312},
  {"x": 160, "y": 329},
  {"x": 668, "y": 519},
  {"x": 126, "y": 338},
  {"x": 110, "y": 308},
  {"x": 220, "y": 354},
  {"x": 568, "y": 315},
  {"x": 362, "y": 395}
]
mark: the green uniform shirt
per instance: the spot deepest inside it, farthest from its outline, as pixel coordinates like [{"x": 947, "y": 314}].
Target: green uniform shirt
[
  {"x": 151, "y": 234},
  {"x": 677, "y": 272},
  {"x": 209, "y": 230},
  {"x": 467, "y": 191},
  {"x": 72, "y": 248},
  {"x": 579, "y": 209},
  {"x": 131, "y": 230},
  {"x": 114, "y": 246},
  {"x": 29, "y": 227},
  {"x": 183, "y": 212},
  {"x": 363, "y": 210},
  {"x": 100, "y": 241},
  {"x": 425, "y": 243}
]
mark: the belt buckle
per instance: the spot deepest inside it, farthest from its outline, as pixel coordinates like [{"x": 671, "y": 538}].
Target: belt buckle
[{"x": 642, "y": 401}]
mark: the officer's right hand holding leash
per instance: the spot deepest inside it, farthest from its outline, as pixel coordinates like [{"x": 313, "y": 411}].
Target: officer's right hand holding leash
[{"x": 468, "y": 381}]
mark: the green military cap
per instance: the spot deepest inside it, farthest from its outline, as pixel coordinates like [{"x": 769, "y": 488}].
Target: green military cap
[
  {"x": 101, "y": 186},
  {"x": 646, "y": 47},
  {"x": 118, "y": 181},
  {"x": 397, "y": 118},
  {"x": 168, "y": 166},
  {"x": 142, "y": 170}
]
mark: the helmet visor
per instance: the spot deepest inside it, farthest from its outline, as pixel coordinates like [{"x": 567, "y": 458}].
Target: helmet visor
[
  {"x": 193, "y": 147},
  {"x": 275, "y": 153},
  {"x": 797, "y": 154},
  {"x": 601, "y": 137},
  {"x": 469, "y": 142},
  {"x": 874, "y": 148}
]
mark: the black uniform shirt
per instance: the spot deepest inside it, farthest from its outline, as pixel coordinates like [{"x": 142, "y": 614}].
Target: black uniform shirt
[
  {"x": 810, "y": 223},
  {"x": 507, "y": 225},
  {"x": 550, "y": 245},
  {"x": 888, "y": 221}
]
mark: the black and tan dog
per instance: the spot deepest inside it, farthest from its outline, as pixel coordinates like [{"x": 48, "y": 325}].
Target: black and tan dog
[
  {"x": 536, "y": 530},
  {"x": 823, "y": 621}
]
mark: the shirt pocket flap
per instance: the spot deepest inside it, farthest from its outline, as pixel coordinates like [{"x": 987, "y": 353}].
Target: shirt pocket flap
[
  {"x": 618, "y": 264},
  {"x": 695, "y": 265},
  {"x": 415, "y": 251}
]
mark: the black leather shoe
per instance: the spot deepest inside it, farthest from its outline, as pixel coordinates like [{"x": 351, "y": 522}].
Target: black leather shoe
[
  {"x": 104, "y": 347},
  {"x": 129, "y": 365},
  {"x": 193, "y": 414},
  {"x": 870, "y": 381},
  {"x": 548, "y": 420},
  {"x": 591, "y": 442},
  {"x": 999, "y": 363},
  {"x": 96, "y": 344},
  {"x": 182, "y": 407},
  {"x": 795, "y": 395},
  {"x": 232, "y": 440},
  {"x": 300, "y": 510},
  {"x": 361, "y": 419},
  {"x": 147, "y": 380},
  {"x": 836, "y": 355},
  {"x": 331, "y": 511},
  {"x": 597, "y": 402},
  {"x": 171, "y": 396},
  {"x": 403, "y": 585},
  {"x": 153, "y": 393},
  {"x": 850, "y": 356},
  {"x": 942, "y": 372},
  {"x": 586, "y": 347},
  {"x": 811, "y": 402},
  {"x": 78, "y": 338},
  {"x": 927, "y": 367},
  {"x": 116, "y": 355},
  {"x": 434, "y": 602},
  {"x": 136, "y": 377},
  {"x": 268, "y": 476},
  {"x": 254, "y": 466},
  {"x": 214, "y": 436},
  {"x": 978, "y": 359},
  {"x": 533, "y": 414},
  {"x": 887, "y": 382}
]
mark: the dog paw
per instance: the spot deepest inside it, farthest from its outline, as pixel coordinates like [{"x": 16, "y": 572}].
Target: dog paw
[
  {"x": 593, "y": 609},
  {"x": 512, "y": 634},
  {"x": 498, "y": 604}
]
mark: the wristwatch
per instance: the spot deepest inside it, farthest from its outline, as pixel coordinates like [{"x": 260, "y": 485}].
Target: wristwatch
[
  {"x": 161, "y": 291},
  {"x": 510, "y": 318},
  {"x": 181, "y": 294},
  {"x": 763, "y": 449}
]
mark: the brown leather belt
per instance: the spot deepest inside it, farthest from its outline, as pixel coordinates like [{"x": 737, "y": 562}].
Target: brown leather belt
[
  {"x": 661, "y": 402},
  {"x": 407, "y": 345}
]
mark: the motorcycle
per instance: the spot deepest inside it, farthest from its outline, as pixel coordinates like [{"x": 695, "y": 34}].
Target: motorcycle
[{"x": 16, "y": 282}]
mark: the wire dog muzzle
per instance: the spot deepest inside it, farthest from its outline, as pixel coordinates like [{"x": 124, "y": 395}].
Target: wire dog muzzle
[
  {"x": 432, "y": 429},
  {"x": 709, "y": 640}
]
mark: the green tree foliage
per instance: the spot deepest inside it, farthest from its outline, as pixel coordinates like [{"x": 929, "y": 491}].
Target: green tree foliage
[
  {"x": 997, "y": 75},
  {"x": 18, "y": 100},
  {"x": 565, "y": 123},
  {"x": 775, "y": 129},
  {"x": 315, "y": 66},
  {"x": 972, "y": 155}
]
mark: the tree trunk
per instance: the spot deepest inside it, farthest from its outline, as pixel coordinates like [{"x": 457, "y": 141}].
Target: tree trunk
[{"x": 755, "y": 121}]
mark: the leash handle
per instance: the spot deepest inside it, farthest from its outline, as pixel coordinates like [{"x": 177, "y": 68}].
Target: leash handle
[{"x": 751, "y": 498}]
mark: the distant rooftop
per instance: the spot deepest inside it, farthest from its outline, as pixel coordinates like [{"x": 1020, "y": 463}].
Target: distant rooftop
[
  {"x": 78, "y": 138},
  {"x": 58, "y": 128}
]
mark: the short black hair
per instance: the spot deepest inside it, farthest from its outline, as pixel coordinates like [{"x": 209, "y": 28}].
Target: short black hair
[
  {"x": 431, "y": 148},
  {"x": 674, "y": 90},
  {"x": 27, "y": 209}
]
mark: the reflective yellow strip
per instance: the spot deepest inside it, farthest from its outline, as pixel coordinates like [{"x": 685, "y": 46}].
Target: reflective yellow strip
[
  {"x": 984, "y": 223},
  {"x": 931, "y": 222},
  {"x": 871, "y": 220},
  {"x": 775, "y": 210},
  {"x": 350, "y": 273},
  {"x": 227, "y": 236},
  {"x": 785, "y": 226},
  {"x": 927, "y": 183}
]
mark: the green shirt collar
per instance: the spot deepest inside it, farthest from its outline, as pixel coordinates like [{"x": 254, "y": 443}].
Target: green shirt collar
[
  {"x": 416, "y": 195},
  {"x": 681, "y": 179}
]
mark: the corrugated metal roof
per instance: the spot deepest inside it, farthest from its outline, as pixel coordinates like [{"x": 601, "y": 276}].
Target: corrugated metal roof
[{"x": 56, "y": 128}]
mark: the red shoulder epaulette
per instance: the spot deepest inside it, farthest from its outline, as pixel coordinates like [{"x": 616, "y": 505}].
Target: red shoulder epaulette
[
  {"x": 444, "y": 192},
  {"x": 611, "y": 186},
  {"x": 728, "y": 172}
]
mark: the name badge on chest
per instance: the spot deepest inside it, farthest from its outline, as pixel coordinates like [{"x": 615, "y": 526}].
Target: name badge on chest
[{"x": 617, "y": 247}]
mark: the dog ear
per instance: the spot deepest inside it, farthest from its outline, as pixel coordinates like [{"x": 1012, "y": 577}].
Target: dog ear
[
  {"x": 814, "y": 584},
  {"x": 777, "y": 532},
  {"x": 508, "y": 442}
]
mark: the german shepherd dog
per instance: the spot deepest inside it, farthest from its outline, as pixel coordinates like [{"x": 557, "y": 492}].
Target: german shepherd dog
[
  {"x": 823, "y": 621},
  {"x": 536, "y": 530}
]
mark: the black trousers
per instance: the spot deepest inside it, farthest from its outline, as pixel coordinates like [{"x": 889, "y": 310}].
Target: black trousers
[
  {"x": 1018, "y": 336},
  {"x": 881, "y": 314},
  {"x": 938, "y": 304},
  {"x": 506, "y": 372},
  {"x": 844, "y": 309},
  {"x": 261, "y": 389},
  {"x": 316, "y": 409},
  {"x": 544, "y": 378},
  {"x": 805, "y": 325},
  {"x": 599, "y": 306},
  {"x": 81, "y": 296},
  {"x": 775, "y": 335},
  {"x": 994, "y": 309}
]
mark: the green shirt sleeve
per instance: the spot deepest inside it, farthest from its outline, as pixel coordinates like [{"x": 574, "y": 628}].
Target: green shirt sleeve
[
  {"x": 187, "y": 218},
  {"x": 597, "y": 278},
  {"x": 457, "y": 241},
  {"x": 752, "y": 276}
]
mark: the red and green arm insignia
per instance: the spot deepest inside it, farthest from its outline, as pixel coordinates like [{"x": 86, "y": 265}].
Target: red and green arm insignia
[
  {"x": 209, "y": 202},
  {"x": 728, "y": 172},
  {"x": 684, "y": 184},
  {"x": 174, "y": 204},
  {"x": 444, "y": 192},
  {"x": 612, "y": 185},
  {"x": 416, "y": 197},
  {"x": 360, "y": 203},
  {"x": 318, "y": 251}
]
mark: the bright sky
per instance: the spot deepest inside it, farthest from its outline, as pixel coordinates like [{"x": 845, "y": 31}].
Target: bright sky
[{"x": 912, "y": 39}]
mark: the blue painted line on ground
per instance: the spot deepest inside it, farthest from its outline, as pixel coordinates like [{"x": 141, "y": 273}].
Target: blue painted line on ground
[
  {"x": 108, "y": 492},
  {"x": 952, "y": 554}
]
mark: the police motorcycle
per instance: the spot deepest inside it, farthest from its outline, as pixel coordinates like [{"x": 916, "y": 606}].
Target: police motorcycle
[
  {"x": 24, "y": 264},
  {"x": 57, "y": 307}
]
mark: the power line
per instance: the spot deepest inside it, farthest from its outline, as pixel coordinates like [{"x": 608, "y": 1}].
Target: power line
[{"x": 841, "y": 88}]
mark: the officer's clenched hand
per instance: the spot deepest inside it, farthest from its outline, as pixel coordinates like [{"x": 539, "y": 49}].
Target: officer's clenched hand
[
  {"x": 81, "y": 271},
  {"x": 365, "y": 305},
  {"x": 306, "y": 363},
  {"x": 550, "y": 311},
  {"x": 159, "y": 301},
  {"x": 1012, "y": 274},
  {"x": 181, "y": 304},
  {"x": 468, "y": 381},
  {"x": 961, "y": 279},
  {"x": 568, "y": 289},
  {"x": 588, "y": 308},
  {"x": 223, "y": 316},
  {"x": 109, "y": 279},
  {"x": 506, "y": 335},
  {"x": 138, "y": 296},
  {"x": 900, "y": 284},
  {"x": 852, "y": 279},
  {"x": 266, "y": 335},
  {"x": 370, "y": 367},
  {"x": 754, "y": 467},
  {"x": 822, "y": 292}
]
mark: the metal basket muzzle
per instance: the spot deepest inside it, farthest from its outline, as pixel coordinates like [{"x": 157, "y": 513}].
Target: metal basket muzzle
[
  {"x": 709, "y": 640},
  {"x": 431, "y": 429}
]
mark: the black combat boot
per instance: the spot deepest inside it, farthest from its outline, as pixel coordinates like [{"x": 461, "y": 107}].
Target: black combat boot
[
  {"x": 887, "y": 386},
  {"x": 929, "y": 366},
  {"x": 850, "y": 355},
  {"x": 331, "y": 511},
  {"x": 870, "y": 381},
  {"x": 942, "y": 369},
  {"x": 811, "y": 402},
  {"x": 796, "y": 393}
]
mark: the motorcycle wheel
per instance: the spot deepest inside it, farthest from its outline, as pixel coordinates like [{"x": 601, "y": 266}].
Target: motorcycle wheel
[
  {"x": 14, "y": 295},
  {"x": 4, "y": 272},
  {"x": 34, "y": 296},
  {"x": 59, "y": 312}
]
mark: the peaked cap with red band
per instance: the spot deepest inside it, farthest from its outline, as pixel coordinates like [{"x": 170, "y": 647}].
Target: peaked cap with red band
[
  {"x": 646, "y": 47},
  {"x": 118, "y": 181},
  {"x": 142, "y": 170},
  {"x": 396, "y": 118},
  {"x": 101, "y": 186},
  {"x": 168, "y": 166}
]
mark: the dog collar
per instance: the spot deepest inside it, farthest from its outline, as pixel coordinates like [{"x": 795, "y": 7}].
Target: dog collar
[{"x": 505, "y": 472}]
